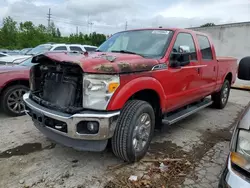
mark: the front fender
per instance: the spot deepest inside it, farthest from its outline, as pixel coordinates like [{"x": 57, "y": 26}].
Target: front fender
[{"x": 123, "y": 93}]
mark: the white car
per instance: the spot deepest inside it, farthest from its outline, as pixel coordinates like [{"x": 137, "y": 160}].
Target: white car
[
  {"x": 6, "y": 58},
  {"x": 61, "y": 47},
  {"x": 16, "y": 59}
]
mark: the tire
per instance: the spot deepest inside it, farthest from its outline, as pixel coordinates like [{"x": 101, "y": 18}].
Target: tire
[
  {"x": 129, "y": 129},
  {"x": 8, "y": 104},
  {"x": 220, "y": 98}
]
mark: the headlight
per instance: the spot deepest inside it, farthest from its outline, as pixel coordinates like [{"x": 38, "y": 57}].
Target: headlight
[
  {"x": 98, "y": 89},
  {"x": 242, "y": 155}
]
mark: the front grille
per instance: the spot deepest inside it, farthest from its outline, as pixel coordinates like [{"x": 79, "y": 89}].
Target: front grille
[{"x": 58, "y": 87}]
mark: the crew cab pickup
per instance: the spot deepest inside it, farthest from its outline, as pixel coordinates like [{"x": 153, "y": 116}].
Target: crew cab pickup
[{"x": 122, "y": 92}]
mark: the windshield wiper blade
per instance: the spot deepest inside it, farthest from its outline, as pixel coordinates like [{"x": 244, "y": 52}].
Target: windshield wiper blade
[{"x": 125, "y": 51}]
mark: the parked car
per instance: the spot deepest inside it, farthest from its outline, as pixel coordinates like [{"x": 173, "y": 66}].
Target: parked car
[
  {"x": 237, "y": 169},
  {"x": 14, "y": 82},
  {"x": 136, "y": 80},
  {"x": 16, "y": 59},
  {"x": 61, "y": 47}
]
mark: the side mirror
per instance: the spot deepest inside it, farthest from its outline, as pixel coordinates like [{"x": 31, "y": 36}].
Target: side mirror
[
  {"x": 244, "y": 68},
  {"x": 179, "y": 59}
]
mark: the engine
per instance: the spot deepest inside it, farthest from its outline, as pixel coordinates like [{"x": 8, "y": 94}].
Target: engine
[{"x": 57, "y": 86}]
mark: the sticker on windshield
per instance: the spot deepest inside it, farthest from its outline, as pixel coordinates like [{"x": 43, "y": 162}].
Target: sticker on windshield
[{"x": 163, "y": 32}]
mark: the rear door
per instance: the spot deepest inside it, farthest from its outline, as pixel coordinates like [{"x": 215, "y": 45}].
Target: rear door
[
  {"x": 209, "y": 62},
  {"x": 182, "y": 84}
]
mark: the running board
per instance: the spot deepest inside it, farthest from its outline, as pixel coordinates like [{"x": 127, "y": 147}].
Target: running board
[{"x": 193, "y": 108}]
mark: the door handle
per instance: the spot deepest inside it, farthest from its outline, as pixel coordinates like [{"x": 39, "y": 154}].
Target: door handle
[
  {"x": 214, "y": 69},
  {"x": 198, "y": 70}
]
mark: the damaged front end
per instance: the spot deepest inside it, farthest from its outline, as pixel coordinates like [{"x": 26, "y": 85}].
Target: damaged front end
[
  {"x": 57, "y": 105},
  {"x": 57, "y": 86}
]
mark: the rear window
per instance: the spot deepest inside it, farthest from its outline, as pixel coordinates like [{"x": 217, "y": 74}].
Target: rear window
[
  {"x": 75, "y": 48},
  {"x": 205, "y": 47},
  {"x": 90, "y": 49},
  {"x": 60, "y": 48}
]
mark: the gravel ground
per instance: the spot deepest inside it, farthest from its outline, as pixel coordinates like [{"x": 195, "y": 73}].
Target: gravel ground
[{"x": 190, "y": 153}]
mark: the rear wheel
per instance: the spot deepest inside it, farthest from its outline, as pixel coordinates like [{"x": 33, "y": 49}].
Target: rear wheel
[
  {"x": 12, "y": 100},
  {"x": 134, "y": 131},
  {"x": 220, "y": 98}
]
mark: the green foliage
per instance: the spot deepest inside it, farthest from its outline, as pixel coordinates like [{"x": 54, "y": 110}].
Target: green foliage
[
  {"x": 23, "y": 35},
  {"x": 207, "y": 25}
]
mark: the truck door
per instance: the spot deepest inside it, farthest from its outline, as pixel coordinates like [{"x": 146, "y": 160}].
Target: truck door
[
  {"x": 183, "y": 83},
  {"x": 209, "y": 68}
]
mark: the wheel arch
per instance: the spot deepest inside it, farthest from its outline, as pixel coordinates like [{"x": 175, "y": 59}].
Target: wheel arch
[
  {"x": 229, "y": 77},
  {"x": 137, "y": 89},
  {"x": 15, "y": 82}
]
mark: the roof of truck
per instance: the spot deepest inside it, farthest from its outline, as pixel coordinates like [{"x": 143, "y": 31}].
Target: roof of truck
[{"x": 168, "y": 28}]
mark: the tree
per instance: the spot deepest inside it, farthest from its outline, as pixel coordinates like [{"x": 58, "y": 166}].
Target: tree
[
  {"x": 26, "y": 34},
  {"x": 58, "y": 33},
  {"x": 9, "y": 33},
  {"x": 208, "y": 25}
]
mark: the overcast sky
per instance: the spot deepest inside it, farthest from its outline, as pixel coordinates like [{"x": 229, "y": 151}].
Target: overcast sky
[{"x": 109, "y": 16}]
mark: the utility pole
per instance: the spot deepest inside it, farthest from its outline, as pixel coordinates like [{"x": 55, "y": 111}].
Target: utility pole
[
  {"x": 49, "y": 18},
  {"x": 126, "y": 25},
  {"x": 91, "y": 24},
  {"x": 88, "y": 23},
  {"x": 76, "y": 30}
]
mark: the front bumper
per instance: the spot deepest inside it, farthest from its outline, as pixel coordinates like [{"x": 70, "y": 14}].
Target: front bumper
[
  {"x": 231, "y": 178},
  {"x": 71, "y": 138}
]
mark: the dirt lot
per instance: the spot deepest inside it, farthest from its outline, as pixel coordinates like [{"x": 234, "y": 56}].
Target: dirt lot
[{"x": 188, "y": 154}]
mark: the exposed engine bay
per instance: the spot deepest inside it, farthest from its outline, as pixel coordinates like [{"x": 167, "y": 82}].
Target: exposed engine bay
[{"x": 57, "y": 86}]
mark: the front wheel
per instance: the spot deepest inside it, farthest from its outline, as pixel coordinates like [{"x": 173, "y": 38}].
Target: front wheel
[
  {"x": 12, "y": 100},
  {"x": 134, "y": 131},
  {"x": 221, "y": 97}
]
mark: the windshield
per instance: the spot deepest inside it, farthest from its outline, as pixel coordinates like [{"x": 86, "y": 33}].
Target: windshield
[
  {"x": 27, "y": 62},
  {"x": 24, "y": 51},
  {"x": 40, "y": 49},
  {"x": 148, "y": 43}
]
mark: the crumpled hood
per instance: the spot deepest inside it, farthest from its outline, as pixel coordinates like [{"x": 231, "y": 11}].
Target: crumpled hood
[
  {"x": 101, "y": 62},
  {"x": 12, "y": 68}
]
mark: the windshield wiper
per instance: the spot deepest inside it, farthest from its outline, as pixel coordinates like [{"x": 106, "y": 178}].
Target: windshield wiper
[{"x": 125, "y": 51}]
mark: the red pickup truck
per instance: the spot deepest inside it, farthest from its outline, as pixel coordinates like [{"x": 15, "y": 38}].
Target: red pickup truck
[{"x": 134, "y": 81}]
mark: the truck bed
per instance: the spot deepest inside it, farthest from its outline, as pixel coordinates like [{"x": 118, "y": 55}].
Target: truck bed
[
  {"x": 226, "y": 65},
  {"x": 225, "y": 58}
]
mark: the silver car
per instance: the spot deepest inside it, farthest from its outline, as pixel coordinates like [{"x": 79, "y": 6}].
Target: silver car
[{"x": 236, "y": 173}]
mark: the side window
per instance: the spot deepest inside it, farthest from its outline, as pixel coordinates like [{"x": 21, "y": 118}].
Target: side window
[
  {"x": 205, "y": 47},
  {"x": 59, "y": 48},
  {"x": 185, "y": 40},
  {"x": 75, "y": 48},
  {"x": 90, "y": 49},
  {"x": 2, "y": 55}
]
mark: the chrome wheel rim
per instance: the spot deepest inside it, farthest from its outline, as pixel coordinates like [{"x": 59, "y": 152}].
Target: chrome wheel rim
[
  {"x": 141, "y": 132},
  {"x": 15, "y": 101},
  {"x": 225, "y": 94}
]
